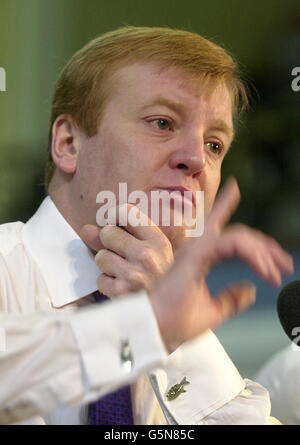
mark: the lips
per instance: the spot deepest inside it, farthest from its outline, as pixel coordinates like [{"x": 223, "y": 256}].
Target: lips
[{"x": 180, "y": 189}]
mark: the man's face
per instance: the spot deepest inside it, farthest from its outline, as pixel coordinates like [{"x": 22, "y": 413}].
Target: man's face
[{"x": 159, "y": 130}]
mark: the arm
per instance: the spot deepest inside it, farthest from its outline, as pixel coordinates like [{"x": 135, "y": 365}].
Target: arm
[{"x": 56, "y": 359}]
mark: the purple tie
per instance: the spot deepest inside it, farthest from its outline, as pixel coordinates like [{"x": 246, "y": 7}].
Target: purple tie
[{"x": 114, "y": 408}]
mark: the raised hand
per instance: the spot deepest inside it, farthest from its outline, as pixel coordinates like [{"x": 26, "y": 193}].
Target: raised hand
[{"x": 181, "y": 301}]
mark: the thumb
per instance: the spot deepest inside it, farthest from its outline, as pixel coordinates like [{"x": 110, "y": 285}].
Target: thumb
[
  {"x": 90, "y": 235},
  {"x": 226, "y": 202}
]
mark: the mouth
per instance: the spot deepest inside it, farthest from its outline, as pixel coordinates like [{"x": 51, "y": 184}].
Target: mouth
[{"x": 187, "y": 197}]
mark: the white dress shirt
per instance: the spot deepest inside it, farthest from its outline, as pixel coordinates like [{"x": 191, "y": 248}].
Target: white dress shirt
[{"x": 61, "y": 351}]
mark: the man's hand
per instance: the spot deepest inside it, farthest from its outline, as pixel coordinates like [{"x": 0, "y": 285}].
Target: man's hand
[
  {"x": 130, "y": 259},
  {"x": 181, "y": 301}
]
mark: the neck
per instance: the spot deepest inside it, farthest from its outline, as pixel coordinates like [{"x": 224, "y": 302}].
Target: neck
[{"x": 63, "y": 197}]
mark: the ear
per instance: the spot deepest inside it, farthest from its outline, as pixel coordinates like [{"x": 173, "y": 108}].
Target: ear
[{"x": 65, "y": 144}]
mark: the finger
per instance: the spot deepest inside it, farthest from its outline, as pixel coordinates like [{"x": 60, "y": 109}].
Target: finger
[
  {"x": 262, "y": 264},
  {"x": 132, "y": 215},
  {"x": 112, "y": 287},
  {"x": 119, "y": 241},
  {"x": 114, "y": 266},
  {"x": 282, "y": 258},
  {"x": 111, "y": 264},
  {"x": 274, "y": 258},
  {"x": 244, "y": 243},
  {"x": 273, "y": 270},
  {"x": 255, "y": 253},
  {"x": 90, "y": 236},
  {"x": 230, "y": 301},
  {"x": 226, "y": 203}
]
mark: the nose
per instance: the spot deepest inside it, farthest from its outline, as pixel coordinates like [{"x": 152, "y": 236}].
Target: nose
[{"x": 191, "y": 157}]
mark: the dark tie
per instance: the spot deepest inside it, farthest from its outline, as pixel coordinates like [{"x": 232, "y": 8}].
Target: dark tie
[{"x": 114, "y": 408}]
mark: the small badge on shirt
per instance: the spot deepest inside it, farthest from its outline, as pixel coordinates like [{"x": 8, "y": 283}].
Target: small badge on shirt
[{"x": 177, "y": 389}]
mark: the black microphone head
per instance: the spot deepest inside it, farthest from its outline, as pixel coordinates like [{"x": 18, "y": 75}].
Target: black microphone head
[{"x": 288, "y": 308}]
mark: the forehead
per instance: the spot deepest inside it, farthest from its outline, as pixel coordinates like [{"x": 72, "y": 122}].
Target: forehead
[{"x": 139, "y": 84}]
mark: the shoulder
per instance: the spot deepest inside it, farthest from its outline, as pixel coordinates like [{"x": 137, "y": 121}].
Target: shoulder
[
  {"x": 10, "y": 237},
  {"x": 16, "y": 269},
  {"x": 282, "y": 367}
]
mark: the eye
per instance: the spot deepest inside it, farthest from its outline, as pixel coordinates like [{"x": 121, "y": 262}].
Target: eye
[
  {"x": 162, "y": 124},
  {"x": 215, "y": 147}
]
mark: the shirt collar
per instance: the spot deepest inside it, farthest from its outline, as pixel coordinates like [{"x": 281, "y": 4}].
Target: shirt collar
[{"x": 66, "y": 263}]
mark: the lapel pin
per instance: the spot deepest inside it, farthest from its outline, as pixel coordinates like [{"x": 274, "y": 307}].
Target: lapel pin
[{"x": 177, "y": 389}]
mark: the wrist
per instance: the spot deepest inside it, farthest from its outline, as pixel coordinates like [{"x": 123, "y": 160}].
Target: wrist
[{"x": 170, "y": 339}]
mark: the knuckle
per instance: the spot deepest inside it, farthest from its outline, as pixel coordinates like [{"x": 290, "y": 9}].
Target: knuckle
[
  {"x": 122, "y": 287},
  {"x": 165, "y": 244},
  {"x": 106, "y": 233},
  {"x": 102, "y": 257},
  {"x": 147, "y": 260},
  {"x": 136, "y": 279},
  {"x": 108, "y": 285},
  {"x": 101, "y": 284},
  {"x": 273, "y": 242},
  {"x": 100, "y": 280}
]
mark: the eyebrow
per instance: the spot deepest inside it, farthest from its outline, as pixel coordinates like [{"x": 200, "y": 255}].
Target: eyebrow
[
  {"x": 160, "y": 100},
  {"x": 217, "y": 125},
  {"x": 220, "y": 125}
]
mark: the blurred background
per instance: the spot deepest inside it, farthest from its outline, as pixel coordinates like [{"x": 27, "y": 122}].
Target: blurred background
[{"x": 37, "y": 37}]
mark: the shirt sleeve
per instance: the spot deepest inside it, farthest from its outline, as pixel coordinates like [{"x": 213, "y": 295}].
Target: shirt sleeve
[
  {"x": 216, "y": 393},
  {"x": 52, "y": 359}
]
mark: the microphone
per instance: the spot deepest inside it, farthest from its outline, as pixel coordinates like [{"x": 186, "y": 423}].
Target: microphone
[{"x": 288, "y": 309}]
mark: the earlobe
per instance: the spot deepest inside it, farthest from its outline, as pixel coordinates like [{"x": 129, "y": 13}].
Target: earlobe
[{"x": 64, "y": 144}]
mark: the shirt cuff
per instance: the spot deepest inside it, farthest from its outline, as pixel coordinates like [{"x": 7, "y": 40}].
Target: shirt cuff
[
  {"x": 251, "y": 407},
  {"x": 101, "y": 333},
  {"x": 213, "y": 380}
]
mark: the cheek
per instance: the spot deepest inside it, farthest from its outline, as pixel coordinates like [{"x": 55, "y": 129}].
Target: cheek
[
  {"x": 133, "y": 156},
  {"x": 113, "y": 159},
  {"x": 118, "y": 148}
]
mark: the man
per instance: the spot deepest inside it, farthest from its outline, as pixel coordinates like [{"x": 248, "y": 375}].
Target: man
[{"x": 152, "y": 108}]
